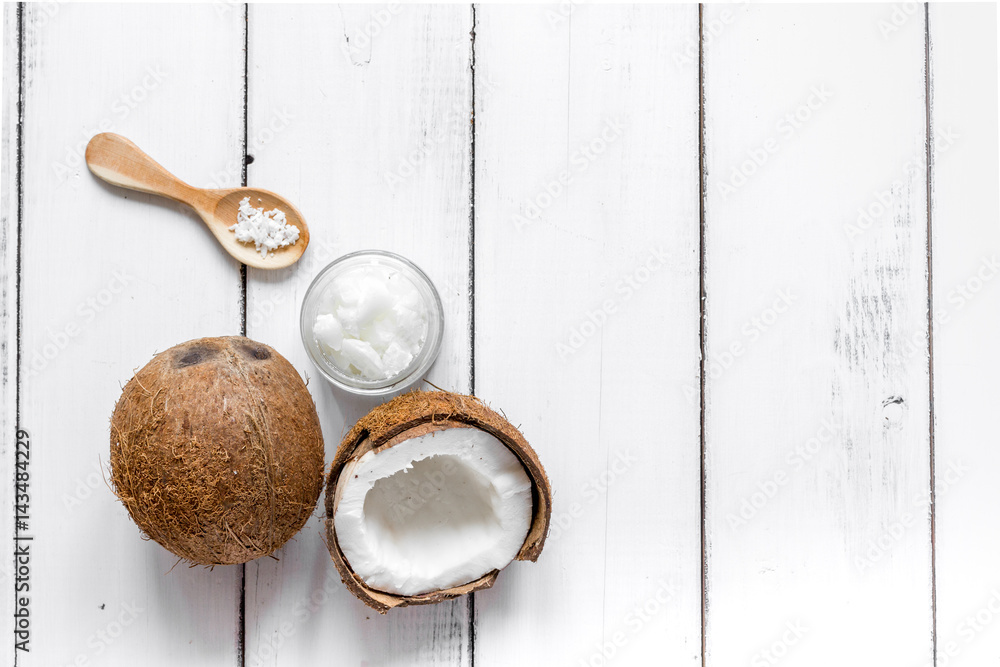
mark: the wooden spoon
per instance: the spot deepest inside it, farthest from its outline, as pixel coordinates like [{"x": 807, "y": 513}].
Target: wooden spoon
[{"x": 120, "y": 162}]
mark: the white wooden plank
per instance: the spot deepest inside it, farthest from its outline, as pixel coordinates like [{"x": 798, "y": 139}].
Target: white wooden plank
[
  {"x": 965, "y": 252},
  {"x": 108, "y": 279},
  {"x": 8, "y": 320},
  {"x": 583, "y": 337},
  {"x": 359, "y": 114},
  {"x": 817, "y": 432}
]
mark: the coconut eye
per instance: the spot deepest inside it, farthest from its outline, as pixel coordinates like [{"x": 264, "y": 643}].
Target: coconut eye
[
  {"x": 193, "y": 356},
  {"x": 258, "y": 352}
]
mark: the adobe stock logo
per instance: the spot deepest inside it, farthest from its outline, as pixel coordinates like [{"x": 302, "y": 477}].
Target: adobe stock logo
[
  {"x": 626, "y": 287},
  {"x": 884, "y": 201},
  {"x": 86, "y": 312},
  {"x": 900, "y": 16},
  {"x": 363, "y": 36},
  {"x": 605, "y": 652},
  {"x": 968, "y": 629},
  {"x": 723, "y": 357},
  {"x": 579, "y": 162},
  {"x": 781, "y": 647},
  {"x": 592, "y": 491},
  {"x": 767, "y": 489},
  {"x": 786, "y": 128},
  {"x": 120, "y": 109}
]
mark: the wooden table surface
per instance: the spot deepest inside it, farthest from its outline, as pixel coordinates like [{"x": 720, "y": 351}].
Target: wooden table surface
[{"x": 731, "y": 269}]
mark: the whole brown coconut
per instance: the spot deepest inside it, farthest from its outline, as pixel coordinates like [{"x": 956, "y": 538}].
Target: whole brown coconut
[
  {"x": 411, "y": 415},
  {"x": 216, "y": 450}
]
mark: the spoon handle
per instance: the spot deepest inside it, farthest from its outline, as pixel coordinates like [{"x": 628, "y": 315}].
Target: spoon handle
[{"x": 118, "y": 161}]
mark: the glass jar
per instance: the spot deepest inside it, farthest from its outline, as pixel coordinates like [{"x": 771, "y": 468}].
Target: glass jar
[{"x": 421, "y": 361}]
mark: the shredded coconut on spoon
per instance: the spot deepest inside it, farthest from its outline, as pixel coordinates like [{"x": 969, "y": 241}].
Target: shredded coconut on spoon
[{"x": 268, "y": 231}]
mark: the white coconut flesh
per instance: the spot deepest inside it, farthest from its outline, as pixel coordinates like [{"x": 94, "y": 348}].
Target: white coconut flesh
[{"x": 432, "y": 512}]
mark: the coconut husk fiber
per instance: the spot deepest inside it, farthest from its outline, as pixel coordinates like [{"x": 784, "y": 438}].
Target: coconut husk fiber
[
  {"x": 409, "y": 416},
  {"x": 216, "y": 450}
]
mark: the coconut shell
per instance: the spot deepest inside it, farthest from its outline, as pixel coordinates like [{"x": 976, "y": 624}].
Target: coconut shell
[
  {"x": 216, "y": 450},
  {"x": 412, "y": 415}
]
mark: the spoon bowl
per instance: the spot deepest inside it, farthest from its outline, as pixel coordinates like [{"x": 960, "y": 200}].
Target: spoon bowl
[
  {"x": 224, "y": 216},
  {"x": 120, "y": 162}
]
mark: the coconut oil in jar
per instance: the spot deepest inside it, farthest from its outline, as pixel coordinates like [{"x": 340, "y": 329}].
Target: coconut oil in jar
[{"x": 372, "y": 322}]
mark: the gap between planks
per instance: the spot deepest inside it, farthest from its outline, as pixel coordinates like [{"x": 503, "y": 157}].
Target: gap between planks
[
  {"x": 471, "y": 605},
  {"x": 241, "y": 620},
  {"x": 929, "y": 157},
  {"x": 702, "y": 194}
]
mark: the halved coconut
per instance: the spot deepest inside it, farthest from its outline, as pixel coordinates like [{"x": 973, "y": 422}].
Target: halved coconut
[{"x": 429, "y": 496}]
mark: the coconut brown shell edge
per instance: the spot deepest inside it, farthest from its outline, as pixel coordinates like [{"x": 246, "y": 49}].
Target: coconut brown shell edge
[{"x": 408, "y": 416}]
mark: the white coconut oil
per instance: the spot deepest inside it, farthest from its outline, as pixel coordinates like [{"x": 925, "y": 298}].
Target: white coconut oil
[{"x": 371, "y": 322}]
